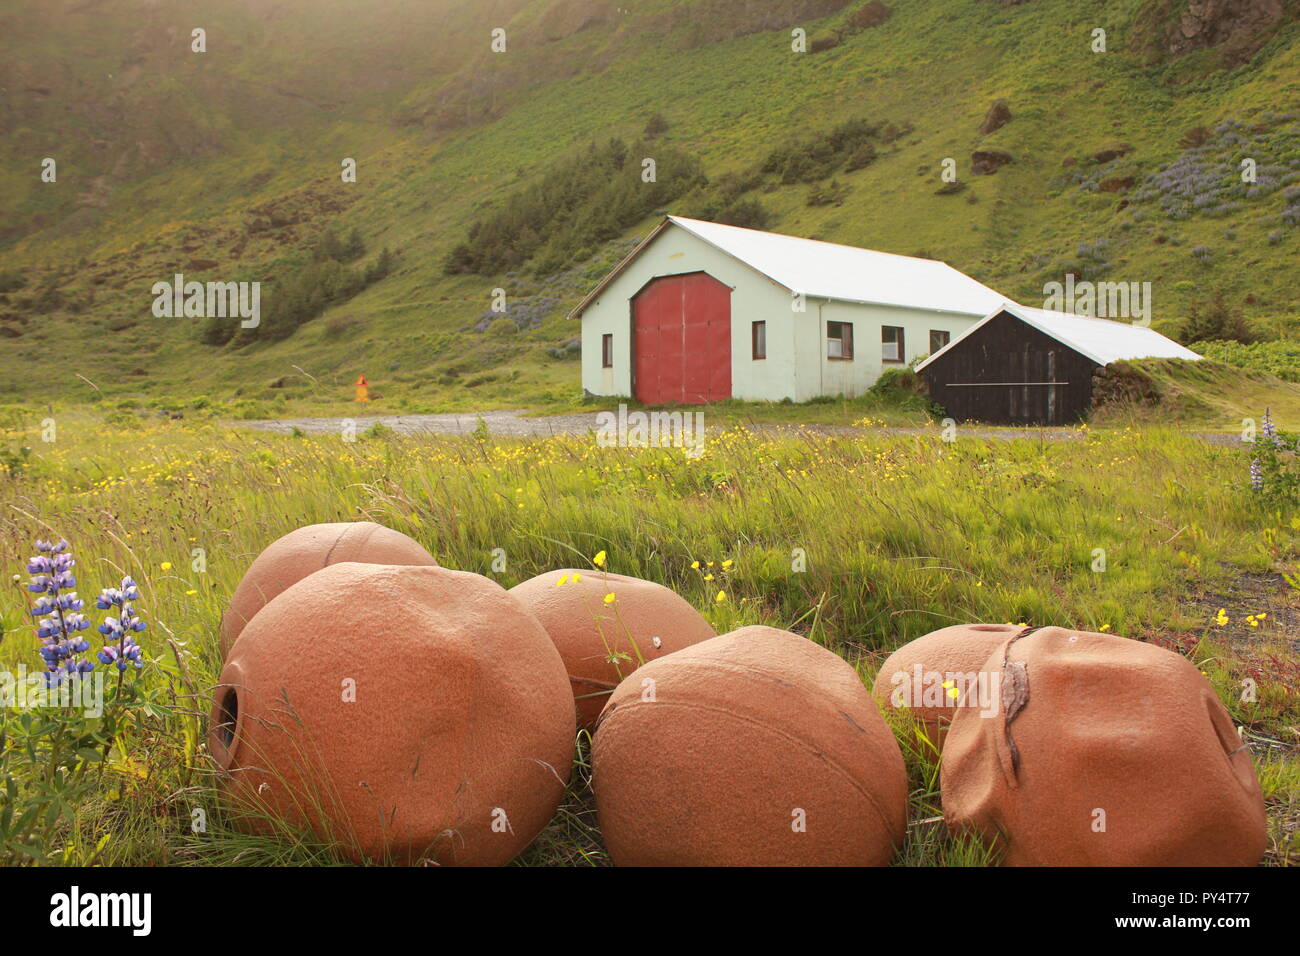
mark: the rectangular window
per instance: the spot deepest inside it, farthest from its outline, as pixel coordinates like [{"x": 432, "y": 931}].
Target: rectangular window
[
  {"x": 891, "y": 343},
  {"x": 607, "y": 350},
  {"x": 839, "y": 340},
  {"x": 758, "y": 339},
  {"x": 938, "y": 339}
]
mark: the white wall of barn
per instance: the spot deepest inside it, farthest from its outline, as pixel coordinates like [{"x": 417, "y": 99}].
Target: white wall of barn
[
  {"x": 819, "y": 374},
  {"x": 797, "y": 365}
]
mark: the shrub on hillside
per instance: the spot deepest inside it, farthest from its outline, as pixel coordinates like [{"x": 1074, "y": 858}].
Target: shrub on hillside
[
  {"x": 341, "y": 325},
  {"x": 381, "y": 267},
  {"x": 746, "y": 213},
  {"x": 848, "y": 146},
  {"x": 330, "y": 246},
  {"x": 11, "y": 282},
  {"x": 301, "y": 296},
  {"x": 581, "y": 202},
  {"x": 827, "y": 194},
  {"x": 1281, "y": 359},
  {"x": 45, "y": 300},
  {"x": 903, "y": 388},
  {"x": 1215, "y": 320},
  {"x": 303, "y": 291}
]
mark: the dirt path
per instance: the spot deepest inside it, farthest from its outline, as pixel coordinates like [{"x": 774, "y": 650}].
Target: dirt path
[
  {"x": 501, "y": 423},
  {"x": 515, "y": 423}
]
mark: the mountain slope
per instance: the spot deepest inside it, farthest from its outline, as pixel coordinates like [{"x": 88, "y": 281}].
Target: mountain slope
[{"x": 225, "y": 165}]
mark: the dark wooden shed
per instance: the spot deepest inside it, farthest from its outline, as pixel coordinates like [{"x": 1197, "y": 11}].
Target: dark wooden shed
[{"x": 1022, "y": 366}]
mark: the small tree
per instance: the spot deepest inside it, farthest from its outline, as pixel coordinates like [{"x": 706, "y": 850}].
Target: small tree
[
  {"x": 355, "y": 247},
  {"x": 656, "y": 125},
  {"x": 381, "y": 267},
  {"x": 1216, "y": 321}
]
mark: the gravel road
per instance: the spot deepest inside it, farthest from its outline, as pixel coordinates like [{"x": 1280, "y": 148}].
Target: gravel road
[{"x": 516, "y": 424}]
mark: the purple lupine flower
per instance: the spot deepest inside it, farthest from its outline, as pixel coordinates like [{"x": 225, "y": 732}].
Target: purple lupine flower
[
  {"x": 120, "y": 648},
  {"x": 1256, "y": 475},
  {"x": 127, "y": 652},
  {"x": 57, "y": 612},
  {"x": 1270, "y": 430}
]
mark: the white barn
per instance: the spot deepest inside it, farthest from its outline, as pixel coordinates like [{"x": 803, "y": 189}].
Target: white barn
[{"x": 702, "y": 312}]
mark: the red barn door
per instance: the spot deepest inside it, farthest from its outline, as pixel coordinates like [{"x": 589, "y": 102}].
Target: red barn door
[{"x": 682, "y": 340}]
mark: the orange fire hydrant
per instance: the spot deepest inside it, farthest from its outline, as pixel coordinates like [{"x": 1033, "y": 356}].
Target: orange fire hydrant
[{"x": 363, "y": 389}]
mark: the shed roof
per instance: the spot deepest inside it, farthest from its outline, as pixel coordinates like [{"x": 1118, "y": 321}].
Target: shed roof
[
  {"x": 1101, "y": 340},
  {"x": 827, "y": 270}
]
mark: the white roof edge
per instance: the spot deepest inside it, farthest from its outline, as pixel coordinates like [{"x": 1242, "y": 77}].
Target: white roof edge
[
  {"x": 1085, "y": 352},
  {"x": 685, "y": 223},
  {"x": 793, "y": 288},
  {"x": 1029, "y": 316},
  {"x": 681, "y": 224},
  {"x": 581, "y": 307}
]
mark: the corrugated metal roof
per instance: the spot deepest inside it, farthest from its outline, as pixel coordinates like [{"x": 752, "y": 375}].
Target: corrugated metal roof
[
  {"x": 826, "y": 270},
  {"x": 1102, "y": 340}
]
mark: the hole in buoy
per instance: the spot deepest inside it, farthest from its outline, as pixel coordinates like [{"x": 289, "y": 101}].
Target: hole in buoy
[{"x": 229, "y": 717}]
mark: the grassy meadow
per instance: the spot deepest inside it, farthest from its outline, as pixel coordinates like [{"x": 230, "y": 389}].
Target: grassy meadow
[{"x": 898, "y": 535}]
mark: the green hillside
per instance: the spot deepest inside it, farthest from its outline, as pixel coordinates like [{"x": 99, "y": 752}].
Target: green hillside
[{"x": 224, "y": 165}]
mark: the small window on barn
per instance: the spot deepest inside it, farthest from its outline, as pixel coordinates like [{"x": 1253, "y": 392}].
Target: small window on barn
[
  {"x": 891, "y": 343},
  {"x": 839, "y": 340},
  {"x": 758, "y": 339},
  {"x": 607, "y": 350},
  {"x": 938, "y": 339}
]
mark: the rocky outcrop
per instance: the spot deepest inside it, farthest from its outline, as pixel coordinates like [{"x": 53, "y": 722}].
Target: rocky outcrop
[
  {"x": 872, "y": 15},
  {"x": 989, "y": 161},
  {"x": 998, "y": 116},
  {"x": 1236, "y": 29}
]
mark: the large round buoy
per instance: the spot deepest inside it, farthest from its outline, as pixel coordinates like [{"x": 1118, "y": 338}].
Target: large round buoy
[
  {"x": 402, "y": 713},
  {"x": 755, "y": 748}
]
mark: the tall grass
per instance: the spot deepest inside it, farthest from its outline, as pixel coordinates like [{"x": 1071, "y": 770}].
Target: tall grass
[{"x": 859, "y": 542}]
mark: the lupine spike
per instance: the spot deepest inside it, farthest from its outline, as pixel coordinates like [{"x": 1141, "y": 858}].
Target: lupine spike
[{"x": 57, "y": 611}]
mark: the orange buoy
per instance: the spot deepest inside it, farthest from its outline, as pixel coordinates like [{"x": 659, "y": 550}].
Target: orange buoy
[
  {"x": 363, "y": 389},
  {"x": 466, "y": 775}
]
